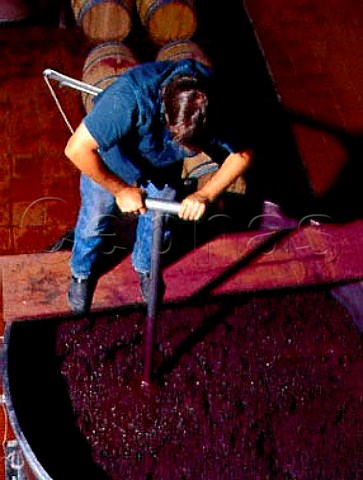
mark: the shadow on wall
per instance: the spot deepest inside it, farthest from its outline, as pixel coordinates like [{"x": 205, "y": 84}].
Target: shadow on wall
[
  {"x": 249, "y": 102},
  {"x": 343, "y": 201}
]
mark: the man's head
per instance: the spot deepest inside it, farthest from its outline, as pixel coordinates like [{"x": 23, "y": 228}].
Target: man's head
[{"x": 185, "y": 102}]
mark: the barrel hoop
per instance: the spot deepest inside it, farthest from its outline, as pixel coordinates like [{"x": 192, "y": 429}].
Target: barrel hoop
[
  {"x": 106, "y": 78},
  {"x": 182, "y": 49},
  {"x": 89, "y": 63},
  {"x": 185, "y": 53},
  {"x": 110, "y": 60},
  {"x": 110, "y": 43}
]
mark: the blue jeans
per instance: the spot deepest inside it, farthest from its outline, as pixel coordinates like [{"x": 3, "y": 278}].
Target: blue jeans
[{"x": 98, "y": 209}]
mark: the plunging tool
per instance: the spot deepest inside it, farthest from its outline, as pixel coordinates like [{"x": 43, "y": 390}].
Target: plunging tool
[{"x": 160, "y": 208}]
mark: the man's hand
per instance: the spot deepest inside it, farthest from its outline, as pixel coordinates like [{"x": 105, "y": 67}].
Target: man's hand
[
  {"x": 193, "y": 207},
  {"x": 130, "y": 200}
]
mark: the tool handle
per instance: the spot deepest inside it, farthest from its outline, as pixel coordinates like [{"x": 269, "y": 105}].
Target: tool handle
[
  {"x": 164, "y": 206},
  {"x": 66, "y": 81}
]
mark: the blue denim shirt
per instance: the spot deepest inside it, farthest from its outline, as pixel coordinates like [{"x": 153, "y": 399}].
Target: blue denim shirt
[{"x": 128, "y": 119}]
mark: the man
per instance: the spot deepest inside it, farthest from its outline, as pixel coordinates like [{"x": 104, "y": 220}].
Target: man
[{"x": 133, "y": 144}]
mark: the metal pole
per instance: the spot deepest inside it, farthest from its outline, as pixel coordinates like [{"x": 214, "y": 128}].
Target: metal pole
[
  {"x": 152, "y": 302},
  {"x": 160, "y": 207},
  {"x": 70, "y": 82}
]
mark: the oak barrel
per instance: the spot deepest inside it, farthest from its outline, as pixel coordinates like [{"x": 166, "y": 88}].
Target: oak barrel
[
  {"x": 103, "y": 65},
  {"x": 168, "y": 20},
  {"x": 182, "y": 49},
  {"x": 104, "y": 20}
]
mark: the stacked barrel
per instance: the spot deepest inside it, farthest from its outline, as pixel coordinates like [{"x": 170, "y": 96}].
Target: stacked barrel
[
  {"x": 105, "y": 24},
  {"x": 104, "y": 64},
  {"x": 168, "y": 20},
  {"x": 103, "y": 20},
  {"x": 109, "y": 20},
  {"x": 169, "y": 26}
]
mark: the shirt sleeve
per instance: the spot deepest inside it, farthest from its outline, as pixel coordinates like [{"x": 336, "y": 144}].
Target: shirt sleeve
[{"x": 114, "y": 115}]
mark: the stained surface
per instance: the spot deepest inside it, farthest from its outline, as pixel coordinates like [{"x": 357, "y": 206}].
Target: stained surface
[{"x": 259, "y": 386}]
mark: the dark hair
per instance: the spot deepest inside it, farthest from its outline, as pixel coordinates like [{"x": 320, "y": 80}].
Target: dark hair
[{"x": 185, "y": 102}]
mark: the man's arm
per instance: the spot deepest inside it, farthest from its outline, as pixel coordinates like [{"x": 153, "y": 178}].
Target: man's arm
[
  {"x": 82, "y": 151},
  {"x": 193, "y": 207}
]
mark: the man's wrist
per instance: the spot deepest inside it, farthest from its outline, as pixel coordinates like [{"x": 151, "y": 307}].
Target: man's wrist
[
  {"x": 201, "y": 197},
  {"x": 120, "y": 188}
]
